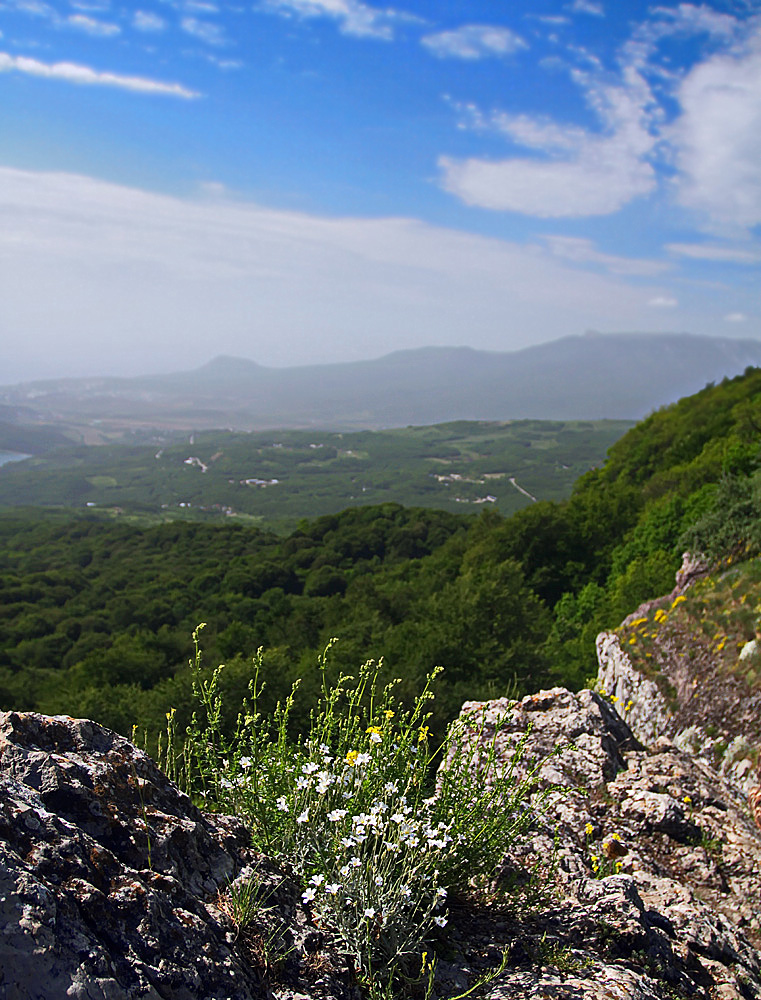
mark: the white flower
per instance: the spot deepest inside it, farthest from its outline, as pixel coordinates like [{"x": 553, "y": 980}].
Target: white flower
[
  {"x": 363, "y": 758},
  {"x": 226, "y": 783},
  {"x": 440, "y": 921},
  {"x": 370, "y": 912},
  {"x": 317, "y": 879},
  {"x": 332, "y": 888},
  {"x": 397, "y": 818},
  {"x": 336, "y": 815},
  {"x": 282, "y": 804},
  {"x": 376, "y": 738},
  {"x": 391, "y": 786},
  {"x": 441, "y": 893},
  {"x": 344, "y": 871},
  {"x": 303, "y": 818},
  {"x": 310, "y": 768},
  {"x": 245, "y": 762},
  {"x": 406, "y": 891},
  {"x": 301, "y": 782},
  {"x": 378, "y": 880},
  {"x": 347, "y": 841},
  {"x": 308, "y": 895},
  {"x": 354, "y": 863}
]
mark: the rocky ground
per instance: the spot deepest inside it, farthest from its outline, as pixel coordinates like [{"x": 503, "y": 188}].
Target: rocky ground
[{"x": 646, "y": 877}]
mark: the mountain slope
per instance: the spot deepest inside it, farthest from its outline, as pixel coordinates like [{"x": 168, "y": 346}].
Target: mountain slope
[{"x": 622, "y": 376}]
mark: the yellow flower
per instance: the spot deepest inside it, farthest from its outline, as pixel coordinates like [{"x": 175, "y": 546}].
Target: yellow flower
[
  {"x": 351, "y": 757},
  {"x": 589, "y": 829},
  {"x": 388, "y": 713},
  {"x": 614, "y": 697},
  {"x": 687, "y": 800},
  {"x": 373, "y": 729},
  {"x": 678, "y": 600},
  {"x": 423, "y": 734}
]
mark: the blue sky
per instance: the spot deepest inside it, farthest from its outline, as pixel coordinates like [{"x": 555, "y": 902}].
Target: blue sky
[{"x": 305, "y": 181}]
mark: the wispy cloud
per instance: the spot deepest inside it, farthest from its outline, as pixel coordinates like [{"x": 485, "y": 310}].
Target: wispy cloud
[
  {"x": 718, "y": 253},
  {"x": 583, "y": 251},
  {"x": 735, "y": 317},
  {"x": 474, "y": 41},
  {"x": 353, "y": 17},
  {"x": 663, "y": 302},
  {"x": 99, "y": 29},
  {"x": 76, "y": 73},
  {"x": 148, "y": 21},
  {"x": 160, "y": 272},
  {"x": 575, "y": 172},
  {"x": 587, "y": 7},
  {"x": 206, "y": 31}
]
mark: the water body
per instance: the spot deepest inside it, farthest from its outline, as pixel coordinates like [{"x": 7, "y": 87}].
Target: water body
[{"x": 12, "y": 456}]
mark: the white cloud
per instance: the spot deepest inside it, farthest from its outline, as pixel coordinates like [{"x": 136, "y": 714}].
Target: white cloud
[
  {"x": 588, "y": 7},
  {"x": 353, "y": 17},
  {"x": 94, "y": 275},
  {"x": 35, "y": 8},
  {"x": 474, "y": 41},
  {"x": 663, "y": 302},
  {"x": 206, "y": 31},
  {"x": 76, "y": 73},
  {"x": 147, "y": 21},
  {"x": 579, "y": 173},
  {"x": 717, "y": 139},
  {"x": 101, "y": 29},
  {"x": 583, "y": 251},
  {"x": 723, "y": 254},
  {"x": 735, "y": 318}
]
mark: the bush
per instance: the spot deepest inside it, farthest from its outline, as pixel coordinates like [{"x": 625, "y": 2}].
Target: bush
[{"x": 355, "y": 809}]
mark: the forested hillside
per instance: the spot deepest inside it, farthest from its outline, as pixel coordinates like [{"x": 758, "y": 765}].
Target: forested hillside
[{"x": 96, "y": 616}]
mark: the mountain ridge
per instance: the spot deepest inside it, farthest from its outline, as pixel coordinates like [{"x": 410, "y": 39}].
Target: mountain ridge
[{"x": 587, "y": 377}]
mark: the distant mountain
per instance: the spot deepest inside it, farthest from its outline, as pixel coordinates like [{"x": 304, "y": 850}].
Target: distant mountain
[{"x": 595, "y": 376}]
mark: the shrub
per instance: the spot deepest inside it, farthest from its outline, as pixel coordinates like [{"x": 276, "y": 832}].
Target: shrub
[{"x": 354, "y": 809}]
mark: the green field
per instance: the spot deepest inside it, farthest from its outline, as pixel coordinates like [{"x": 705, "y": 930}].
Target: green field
[{"x": 282, "y": 476}]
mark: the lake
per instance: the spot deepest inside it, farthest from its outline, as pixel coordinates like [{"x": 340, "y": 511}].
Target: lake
[{"x": 12, "y": 456}]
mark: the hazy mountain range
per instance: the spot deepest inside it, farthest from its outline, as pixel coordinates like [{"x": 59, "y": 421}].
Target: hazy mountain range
[{"x": 594, "y": 376}]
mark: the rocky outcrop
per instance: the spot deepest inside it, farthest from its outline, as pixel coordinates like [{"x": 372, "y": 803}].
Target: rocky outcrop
[
  {"x": 640, "y": 881},
  {"x": 681, "y": 691},
  {"x": 113, "y": 885},
  {"x": 658, "y": 863}
]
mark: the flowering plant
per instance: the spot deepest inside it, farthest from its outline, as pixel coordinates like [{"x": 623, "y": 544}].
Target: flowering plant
[{"x": 355, "y": 809}]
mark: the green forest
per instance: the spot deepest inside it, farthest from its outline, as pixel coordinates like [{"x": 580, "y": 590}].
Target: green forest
[{"x": 96, "y": 615}]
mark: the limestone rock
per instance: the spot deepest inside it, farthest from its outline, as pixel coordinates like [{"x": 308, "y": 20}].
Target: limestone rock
[
  {"x": 111, "y": 881},
  {"x": 674, "y": 909}
]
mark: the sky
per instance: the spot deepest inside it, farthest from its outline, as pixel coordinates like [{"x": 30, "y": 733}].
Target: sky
[{"x": 312, "y": 181}]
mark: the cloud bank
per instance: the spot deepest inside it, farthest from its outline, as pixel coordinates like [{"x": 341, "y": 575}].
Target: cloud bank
[{"x": 95, "y": 277}]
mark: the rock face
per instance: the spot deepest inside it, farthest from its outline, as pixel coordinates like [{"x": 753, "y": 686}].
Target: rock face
[
  {"x": 684, "y": 695},
  {"x": 659, "y": 864},
  {"x": 112, "y": 882},
  {"x": 115, "y": 886}
]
